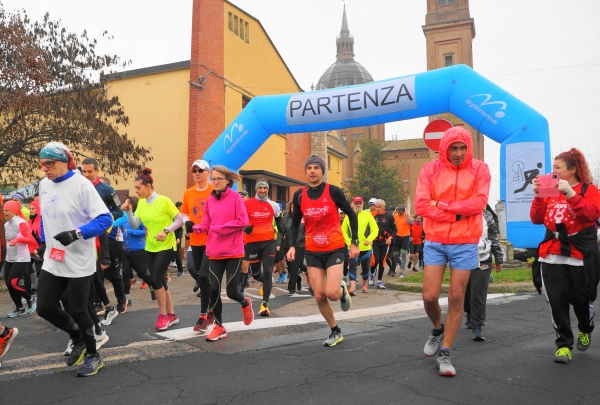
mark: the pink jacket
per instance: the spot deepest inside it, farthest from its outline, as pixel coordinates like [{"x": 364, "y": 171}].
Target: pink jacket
[
  {"x": 456, "y": 190},
  {"x": 224, "y": 219}
]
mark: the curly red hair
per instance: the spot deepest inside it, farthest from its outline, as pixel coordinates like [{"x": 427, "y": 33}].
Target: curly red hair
[{"x": 574, "y": 158}]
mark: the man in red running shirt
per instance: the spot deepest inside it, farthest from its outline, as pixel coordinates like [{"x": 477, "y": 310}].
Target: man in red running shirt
[
  {"x": 318, "y": 203},
  {"x": 260, "y": 239}
]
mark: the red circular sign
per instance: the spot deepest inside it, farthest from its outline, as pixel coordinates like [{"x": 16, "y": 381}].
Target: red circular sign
[{"x": 433, "y": 133}]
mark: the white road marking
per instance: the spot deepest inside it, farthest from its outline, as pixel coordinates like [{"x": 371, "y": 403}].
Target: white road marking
[{"x": 264, "y": 323}]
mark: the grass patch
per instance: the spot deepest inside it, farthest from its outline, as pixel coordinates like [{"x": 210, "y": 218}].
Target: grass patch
[{"x": 505, "y": 276}]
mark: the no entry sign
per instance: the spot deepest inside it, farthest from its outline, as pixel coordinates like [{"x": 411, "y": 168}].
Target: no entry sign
[{"x": 433, "y": 133}]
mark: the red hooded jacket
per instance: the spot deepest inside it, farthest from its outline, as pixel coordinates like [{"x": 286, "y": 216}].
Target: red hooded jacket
[{"x": 445, "y": 190}]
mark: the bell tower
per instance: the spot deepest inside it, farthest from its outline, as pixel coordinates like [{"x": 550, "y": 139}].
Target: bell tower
[{"x": 449, "y": 31}]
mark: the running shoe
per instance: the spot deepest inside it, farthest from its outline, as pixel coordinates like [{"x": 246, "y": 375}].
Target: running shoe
[
  {"x": 278, "y": 281},
  {"x": 162, "y": 322},
  {"x": 401, "y": 275},
  {"x": 478, "y": 334},
  {"x": 173, "y": 319},
  {"x": 583, "y": 341},
  {"x": 173, "y": 265},
  {"x": 293, "y": 294},
  {"x": 393, "y": 274},
  {"x": 16, "y": 312},
  {"x": 264, "y": 309},
  {"x": 144, "y": 285},
  {"x": 247, "y": 312},
  {"x": 129, "y": 302},
  {"x": 211, "y": 317},
  {"x": 333, "y": 339},
  {"x": 132, "y": 281},
  {"x": 196, "y": 287},
  {"x": 364, "y": 289},
  {"x": 468, "y": 324},
  {"x": 345, "y": 300},
  {"x": 179, "y": 273},
  {"x": 389, "y": 273},
  {"x": 77, "y": 354},
  {"x": 409, "y": 265},
  {"x": 122, "y": 306},
  {"x": 69, "y": 349},
  {"x": 562, "y": 355},
  {"x": 217, "y": 333},
  {"x": 434, "y": 343},
  {"x": 380, "y": 285},
  {"x": 283, "y": 278},
  {"x": 351, "y": 291},
  {"x": 260, "y": 289},
  {"x": 5, "y": 341},
  {"x": 100, "y": 310},
  {"x": 372, "y": 279},
  {"x": 34, "y": 292},
  {"x": 168, "y": 279},
  {"x": 101, "y": 339},
  {"x": 91, "y": 364},
  {"x": 444, "y": 365},
  {"x": 109, "y": 317},
  {"x": 202, "y": 324},
  {"x": 31, "y": 305},
  {"x": 299, "y": 283}
]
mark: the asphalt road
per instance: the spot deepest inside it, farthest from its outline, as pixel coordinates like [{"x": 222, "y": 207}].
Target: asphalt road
[{"x": 281, "y": 359}]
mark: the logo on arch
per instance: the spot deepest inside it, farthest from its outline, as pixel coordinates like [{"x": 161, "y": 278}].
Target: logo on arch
[
  {"x": 237, "y": 131},
  {"x": 481, "y": 100}
]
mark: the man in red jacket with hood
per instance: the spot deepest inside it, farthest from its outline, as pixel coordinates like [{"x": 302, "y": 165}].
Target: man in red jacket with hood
[{"x": 451, "y": 195}]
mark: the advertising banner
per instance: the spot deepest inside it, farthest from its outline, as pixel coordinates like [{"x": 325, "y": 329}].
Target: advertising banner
[{"x": 524, "y": 161}]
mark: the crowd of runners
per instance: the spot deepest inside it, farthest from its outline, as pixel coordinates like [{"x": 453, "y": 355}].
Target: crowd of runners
[{"x": 77, "y": 233}]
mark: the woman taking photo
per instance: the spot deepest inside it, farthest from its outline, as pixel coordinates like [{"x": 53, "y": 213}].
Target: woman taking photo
[
  {"x": 568, "y": 264},
  {"x": 224, "y": 220},
  {"x": 161, "y": 218}
]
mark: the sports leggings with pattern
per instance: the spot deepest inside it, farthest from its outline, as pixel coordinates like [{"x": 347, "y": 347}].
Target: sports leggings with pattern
[
  {"x": 14, "y": 273},
  {"x": 233, "y": 269}
]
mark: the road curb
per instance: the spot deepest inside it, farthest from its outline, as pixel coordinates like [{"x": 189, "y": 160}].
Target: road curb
[{"x": 493, "y": 288}]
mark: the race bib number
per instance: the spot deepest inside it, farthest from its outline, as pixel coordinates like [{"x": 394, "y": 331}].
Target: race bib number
[
  {"x": 57, "y": 254},
  {"x": 320, "y": 239}
]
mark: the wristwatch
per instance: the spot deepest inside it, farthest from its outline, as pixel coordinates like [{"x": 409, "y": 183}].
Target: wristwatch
[
  {"x": 356, "y": 242},
  {"x": 166, "y": 231},
  {"x": 78, "y": 234}
]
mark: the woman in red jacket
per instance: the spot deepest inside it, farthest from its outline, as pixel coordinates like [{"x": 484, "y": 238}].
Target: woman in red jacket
[{"x": 568, "y": 255}]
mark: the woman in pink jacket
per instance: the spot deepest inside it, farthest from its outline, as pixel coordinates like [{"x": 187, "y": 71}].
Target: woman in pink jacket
[{"x": 225, "y": 218}]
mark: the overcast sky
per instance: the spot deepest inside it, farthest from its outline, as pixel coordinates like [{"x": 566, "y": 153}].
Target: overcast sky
[{"x": 543, "y": 52}]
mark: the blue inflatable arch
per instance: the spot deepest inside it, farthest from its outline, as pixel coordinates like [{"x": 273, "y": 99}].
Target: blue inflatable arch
[{"x": 521, "y": 131}]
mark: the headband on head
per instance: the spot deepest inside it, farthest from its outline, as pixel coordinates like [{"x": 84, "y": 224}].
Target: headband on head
[
  {"x": 315, "y": 160},
  {"x": 58, "y": 151},
  {"x": 261, "y": 184}
]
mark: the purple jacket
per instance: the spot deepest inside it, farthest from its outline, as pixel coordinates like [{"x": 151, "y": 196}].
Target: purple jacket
[{"x": 224, "y": 219}]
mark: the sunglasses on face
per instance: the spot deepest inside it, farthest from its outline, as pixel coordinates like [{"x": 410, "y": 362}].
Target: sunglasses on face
[
  {"x": 197, "y": 171},
  {"x": 47, "y": 164}
]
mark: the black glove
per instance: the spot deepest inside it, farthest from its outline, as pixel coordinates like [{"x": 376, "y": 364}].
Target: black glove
[
  {"x": 41, "y": 250},
  {"x": 66, "y": 238},
  {"x": 248, "y": 229},
  {"x": 188, "y": 226}
]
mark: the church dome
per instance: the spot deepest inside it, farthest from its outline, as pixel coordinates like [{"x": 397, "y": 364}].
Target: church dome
[{"x": 344, "y": 72}]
